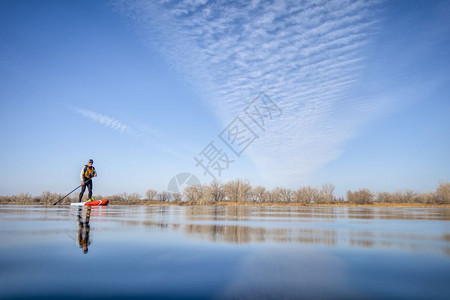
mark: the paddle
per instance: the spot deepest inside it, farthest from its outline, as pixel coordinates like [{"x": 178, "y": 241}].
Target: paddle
[{"x": 70, "y": 192}]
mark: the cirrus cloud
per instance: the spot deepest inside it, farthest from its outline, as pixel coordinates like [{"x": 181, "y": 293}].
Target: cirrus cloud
[{"x": 305, "y": 55}]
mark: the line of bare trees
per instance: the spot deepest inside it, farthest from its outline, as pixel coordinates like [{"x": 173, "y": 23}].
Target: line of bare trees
[{"x": 240, "y": 191}]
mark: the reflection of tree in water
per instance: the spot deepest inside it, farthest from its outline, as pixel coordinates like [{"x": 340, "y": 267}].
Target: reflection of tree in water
[
  {"x": 245, "y": 234},
  {"x": 162, "y": 213},
  {"x": 313, "y": 236},
  {"x": 271, "y": 224},
  {"x": 397, "y": 213},
  {"x": 229, "y": 234},
  {"x": 329, "y": 227}
]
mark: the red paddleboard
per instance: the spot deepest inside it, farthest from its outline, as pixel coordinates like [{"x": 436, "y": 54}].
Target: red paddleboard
[{"x": 102, "y": 202}]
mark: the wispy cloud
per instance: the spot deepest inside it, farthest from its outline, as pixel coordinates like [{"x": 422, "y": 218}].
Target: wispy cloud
[
  {"x": 306, "y": 55},
  {"x": 146, "y": 135},
  {"x": 107, "y": 121}
]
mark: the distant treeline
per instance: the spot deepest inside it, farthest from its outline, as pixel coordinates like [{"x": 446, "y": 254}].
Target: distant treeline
[{"x": 241, "y": 192}]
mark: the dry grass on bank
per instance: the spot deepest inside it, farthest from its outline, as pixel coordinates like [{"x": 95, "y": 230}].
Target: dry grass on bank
[{"x": 234, "y": 204}]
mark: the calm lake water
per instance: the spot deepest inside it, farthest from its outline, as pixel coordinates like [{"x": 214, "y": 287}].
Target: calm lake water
[{"x": 224, "y": 252}]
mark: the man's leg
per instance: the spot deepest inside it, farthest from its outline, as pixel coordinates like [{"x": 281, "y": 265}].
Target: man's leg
[
  {"x": 83, "y": 188},
  {"x": 89, "y": 184}
]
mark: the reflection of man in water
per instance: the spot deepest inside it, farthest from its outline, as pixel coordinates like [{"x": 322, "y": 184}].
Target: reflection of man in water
[{"x": 83, "y": 230}]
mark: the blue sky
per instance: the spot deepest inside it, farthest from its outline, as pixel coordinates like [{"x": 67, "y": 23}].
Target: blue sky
[{"x": 359, "y": 92}]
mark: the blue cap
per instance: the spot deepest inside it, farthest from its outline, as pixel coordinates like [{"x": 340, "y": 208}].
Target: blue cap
[{"x": 91, "y": 160}]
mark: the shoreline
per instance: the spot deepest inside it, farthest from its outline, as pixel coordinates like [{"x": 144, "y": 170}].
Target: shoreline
[{"x": 234, "y": 204}]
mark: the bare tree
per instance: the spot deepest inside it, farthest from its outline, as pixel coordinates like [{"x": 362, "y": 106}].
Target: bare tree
[
  {"x": 305, "y": 195},
  {"x": 134, "y": 197},
  {"x": 237, "y": 190},
  {"x": 411, "y": 197},
  {"x": 326, "y": 194},
  {"x": 151, "y": 194},
  {"x": 230, "y": 193},
  {"x": 164, "y": 196},
  {"x": 397, "y": 197},
  {"x": 123, "y": 196},
  {"x": 215, "y": 191},
  {"x": 190, "y": 192},
  {"x": 48, "y": 197},
  {"x": 176, "y": 197},
  {"x": 385, "y": 197},
  {"x": 257, "y": 193},
  {"x": 286, "y": 195},
  {"x": 443, "y": 193},
  {"x": 275, "y": 195},
  {"x": 363, "y": 196},
  {"x": 195, "y": 193},
  {"x": 201, "y": 193},
  {"x": 428, "y": 198}
]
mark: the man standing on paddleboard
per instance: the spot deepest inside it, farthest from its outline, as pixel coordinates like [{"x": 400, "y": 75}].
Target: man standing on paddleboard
[{"x": 86, "y": 175}]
